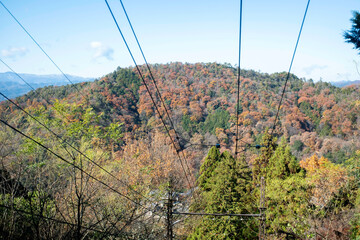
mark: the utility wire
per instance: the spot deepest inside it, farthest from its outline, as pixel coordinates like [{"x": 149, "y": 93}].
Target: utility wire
[
  {"x": 155, "y": 84},
  {"x": 56, "y": 135},
  {"x": 52, "y": 219},
  {"x": 40, "y": 47},
  {"x": 46, "y": 55},
  {"x": 214, "y": 145},
  {"x": 107, "y": 232},
  {"x": 149, "y": 69},
  {"x": 157, "y": 89},
  {"x": 201, "y": 145},
  {"x": 238, "y": 84},
  {"x": 74, "y": 148},
  {"x": 148, "y": 90},
  {"x": 19, "y": 76},
  {"x": 75, "y": 166},
  {"x": 288, "y": 74},
  {"x": 244, "y": 142},
  {"x": 218, "y": 214},
  {"x": 31, "y": 116}
]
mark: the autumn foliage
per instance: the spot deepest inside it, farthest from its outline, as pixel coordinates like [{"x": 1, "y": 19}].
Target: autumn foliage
[
  {"x": 326, "y": 178},
  {"x": 137, "y": 151}
]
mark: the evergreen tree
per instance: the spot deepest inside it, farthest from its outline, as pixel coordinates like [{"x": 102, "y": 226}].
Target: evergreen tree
[
  {"x": 208, "y": 167},
  {"x": 353, "y": 35},
  {"x": 282, "y": 163},
  {"x": 225, "y": 185},
  {"x": 261, "y": 162},
  {"x": 287, "y": 195},
  {"x": 217, "y": 119}
]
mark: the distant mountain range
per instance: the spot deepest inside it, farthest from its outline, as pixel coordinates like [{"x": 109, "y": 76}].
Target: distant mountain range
[
  {"x": 345, "y": 83},
  {"x": 12, "y": 86}
]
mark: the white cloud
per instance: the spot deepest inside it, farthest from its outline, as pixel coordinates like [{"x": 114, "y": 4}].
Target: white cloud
[
  {"x": 95, "y": 44},
  {"x": 310, "y": 69},
  {"x": 102, "y": 51},
  {"x": 14, "y": 52}
]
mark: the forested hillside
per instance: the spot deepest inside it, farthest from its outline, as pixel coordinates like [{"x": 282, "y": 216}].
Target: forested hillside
[
  {"x": 111, "y": 130},
  {"x": 315, "y": 117}
]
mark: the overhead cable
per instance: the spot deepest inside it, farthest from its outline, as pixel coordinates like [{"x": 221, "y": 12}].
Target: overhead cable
[
  {"x": 72, "y": 147},
  {"x": 43, "y": 125},
  {"x": 151, "y": 97},
  {"x": 155, "y": 84},
  {"x": 75, "y": 166},
  {"x": 51, "y": 219},
  {"x": 288, "y": 74},
  {"x": 238, "y": 84},
  {"x": 32, "y": 88},
  {"x": 33, "y": 39}
]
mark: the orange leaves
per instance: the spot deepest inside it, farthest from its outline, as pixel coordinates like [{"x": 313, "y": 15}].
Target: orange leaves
[
  {"x": 295, "y": 118},
  {"x": 326, "y": 178},
  {"x": 196, "y": 111},
  {"x": 149, "y": 162},
  {"x": 221, "y": 136},
  {"x": 304, "y": 99},
  {"x": 314, "y": 163},
  {"x": 212, "y": 84}
]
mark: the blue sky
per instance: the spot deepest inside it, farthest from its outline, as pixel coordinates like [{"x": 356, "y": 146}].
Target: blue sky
[{"x": 83, "y": 40}]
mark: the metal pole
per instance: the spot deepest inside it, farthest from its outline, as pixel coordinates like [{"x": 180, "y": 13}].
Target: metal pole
[
  {"x": 169, "y": 213},
  {"x": 262, "y": 208}
]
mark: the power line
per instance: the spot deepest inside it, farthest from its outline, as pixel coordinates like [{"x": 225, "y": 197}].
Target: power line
[
  {"x": 27, "y": 113},
  {"x": 74, "y": 148},
  {"x": 40, "y": 47},
  {"x": 68, "y": 77},
  {"x": 198, "y": 144},
  {"x": 201, "y": 145},
  {"x": 248, "y": 145},
  {"x": 75, "y": 166},
  {"x": 148, "y": 90},
  {"x": 19, "y": 76},
  {"x": 148, "y": 67},
  {"x": 156, "y": 86},
  {"x": 218, "y": 214},
  {"x": 52, "y": 219},
  {"x": 63, "y": 141},
  {"x": 72, "y": 224},
  {"x": 288, "y": 74},
  {"x": 243, "y": 141},
  {"x": 238, "y": 84}
]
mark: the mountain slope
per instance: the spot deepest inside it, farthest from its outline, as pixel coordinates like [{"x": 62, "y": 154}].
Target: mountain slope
[
  {"x": 118, "y": 129},
  {"x": 201, "y": 99}
]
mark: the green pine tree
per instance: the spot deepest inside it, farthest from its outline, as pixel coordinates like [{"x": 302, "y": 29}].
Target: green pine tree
[
  {"x": 207, "y": 168},
  {"x": 282, "y": 163},
  {"x": 287, "y": 195},
  {"x": 260, "y": 165},
  {"x": 225, "y": 187}
]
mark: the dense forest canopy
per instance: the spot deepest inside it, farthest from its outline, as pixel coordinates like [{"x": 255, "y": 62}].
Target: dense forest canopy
[
  {"x": 201, "y": 99},
  {"x": 113, "y": 121}
]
